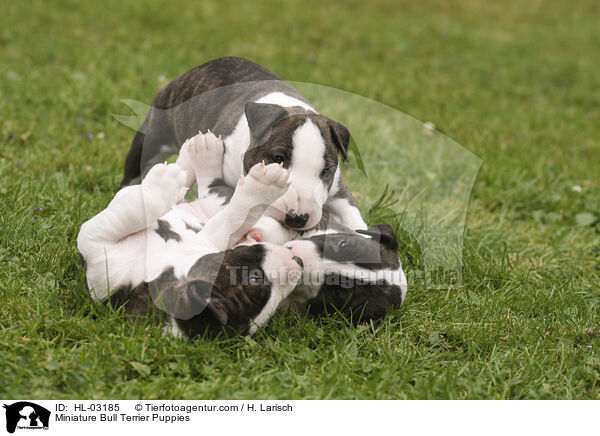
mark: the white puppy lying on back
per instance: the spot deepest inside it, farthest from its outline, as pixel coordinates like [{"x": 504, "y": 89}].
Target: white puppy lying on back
[{"x": 184, "y": 255}]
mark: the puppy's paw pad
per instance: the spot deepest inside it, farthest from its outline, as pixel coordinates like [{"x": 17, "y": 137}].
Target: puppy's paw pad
[
  {"x": 202, "y": 147},
  {"x": 272, "y": 174},
  {"x": 156, "y": 173},
  {"x": 168, "y": 179}
]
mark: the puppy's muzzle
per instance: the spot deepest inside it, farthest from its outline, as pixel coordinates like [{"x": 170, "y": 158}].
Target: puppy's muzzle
[{"x": 294, "y": 220}]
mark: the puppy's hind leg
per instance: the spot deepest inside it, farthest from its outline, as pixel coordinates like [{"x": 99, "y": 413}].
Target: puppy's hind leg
[
  {"x": 202, "y": 158},
  {"x": 253, "y": 195},
  {"x": 135, "y": 208}
]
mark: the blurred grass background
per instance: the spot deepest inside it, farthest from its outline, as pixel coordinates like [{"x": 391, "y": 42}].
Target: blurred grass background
[{"x": 515, "y": 83}]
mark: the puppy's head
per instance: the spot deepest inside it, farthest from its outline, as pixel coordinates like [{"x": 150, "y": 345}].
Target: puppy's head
[
  {"x": 357, "y": 274},
  {"x": 225, "y": 291},
  {"x": 308, "y": 145}
]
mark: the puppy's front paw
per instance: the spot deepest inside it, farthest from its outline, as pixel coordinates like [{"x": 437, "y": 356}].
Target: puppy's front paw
[
  {"x": 203, "y": 154},
  {"x": 273, "y": 174},
  {"x": 265, "y": 183}
]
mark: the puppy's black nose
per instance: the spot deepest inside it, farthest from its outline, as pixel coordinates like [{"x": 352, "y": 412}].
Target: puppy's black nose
[
  {"x": 299, "y": 261},
  {"x": 295, "y": 221}
]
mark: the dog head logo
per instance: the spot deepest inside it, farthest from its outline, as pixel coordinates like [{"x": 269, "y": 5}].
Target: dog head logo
[{"x": 26, "y": 415}]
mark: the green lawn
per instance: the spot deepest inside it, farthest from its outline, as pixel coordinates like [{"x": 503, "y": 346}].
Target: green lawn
[{"x": 516, "y": 83}]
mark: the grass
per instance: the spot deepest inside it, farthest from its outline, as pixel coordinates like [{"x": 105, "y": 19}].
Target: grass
[{"x": 516, "y": 84}]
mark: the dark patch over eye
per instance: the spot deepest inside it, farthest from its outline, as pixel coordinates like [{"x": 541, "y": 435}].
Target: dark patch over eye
[
  {"x": 277, "y": 154},
  {"x": 256, "y": 277},
  {"x": 327, "y": 174},
  {"x": 346, "y": 245}
]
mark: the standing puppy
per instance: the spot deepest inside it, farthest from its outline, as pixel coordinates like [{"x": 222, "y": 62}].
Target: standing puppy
[{"x": 260, "y": 118}]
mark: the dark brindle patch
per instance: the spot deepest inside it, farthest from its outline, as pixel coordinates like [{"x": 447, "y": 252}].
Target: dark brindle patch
[
  {"x": 233, "y": 300},
  {"x": 276, "y": 128},
  {"x": 360, "y": 303},
  {"x": 165, "y": 232},
  {"x": 214, "y": 298},
  {"x": 220, "y": 188},
  {"x": 192, "y": 228},
  {"x": 210, "y": 96},
  {"x": 136, "y": 302},
  {"x": 276, "y": 143},
  {"x": 375, "y": 253}
]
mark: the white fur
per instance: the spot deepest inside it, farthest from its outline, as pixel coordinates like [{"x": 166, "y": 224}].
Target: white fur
[
  {"x": 305, "y": 171},
  {"x": 284, "y": 100},
  {"x": 341, "y": 211},
  {"x": 272, "y": 231},
  {"x": 283, "y": 272}
]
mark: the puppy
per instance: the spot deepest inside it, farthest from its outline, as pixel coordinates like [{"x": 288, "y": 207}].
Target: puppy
[
  {"x": 184, "y": 255},
  {"x": 261, "y": 118},
  {"x": 355, "y": 273}
]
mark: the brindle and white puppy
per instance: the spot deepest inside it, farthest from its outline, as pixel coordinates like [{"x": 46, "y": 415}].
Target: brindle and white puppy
[
  {"x": 145, "y": 243},
  {"x": 261, "y": 118},
  {"x": 357, "y": 274}
]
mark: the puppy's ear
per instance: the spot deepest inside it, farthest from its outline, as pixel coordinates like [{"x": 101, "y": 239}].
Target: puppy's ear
[
  {"x": 190, "y": 301},
  {"x": 217, "y": 313},
  {"x": 262, "y": 117},
  {"x": 340, "y": 137},
  {"x": 361, "y": 303},
  {"x": 200, "y": 299},
  {"x": 384, "y": 233}
]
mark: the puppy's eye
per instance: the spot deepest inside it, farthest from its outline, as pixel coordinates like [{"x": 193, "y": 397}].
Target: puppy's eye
[
  {"x": 278, "y": 159},
  {"x": 326, "y": 174},
  {"x": 343, "y": 243}
]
